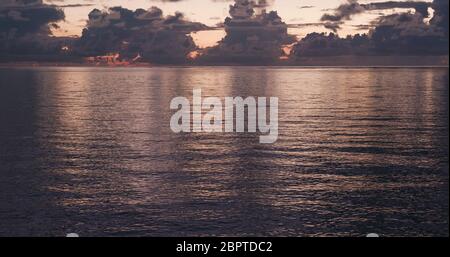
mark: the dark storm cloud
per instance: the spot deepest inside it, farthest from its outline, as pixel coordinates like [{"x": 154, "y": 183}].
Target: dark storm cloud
[
  {"x": 21, "y": 20},
  {"x": 407, "y": 33},
  {"x": 353, "y": 7},
  {"x": 255, "y": 38},
  {"x": 321, "y": 44},
  {"x": 397, "y": 34},
  {"x": 25, "y": 27},
  {"x": 441, "y": 17},
  {"x": 149, "y": 33}
]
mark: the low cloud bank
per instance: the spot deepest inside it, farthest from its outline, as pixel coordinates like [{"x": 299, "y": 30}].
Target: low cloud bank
[
  {"x": 250, "y": 37},
  {"x": 25, "y": 27},
  {"x": 157, "y": 38},
  {"x": 397, "y": 34},
  {"x": 252, "y": 34}
]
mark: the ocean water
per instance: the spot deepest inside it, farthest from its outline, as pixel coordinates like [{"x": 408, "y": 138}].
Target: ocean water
[{"x": 90, "y": 151}]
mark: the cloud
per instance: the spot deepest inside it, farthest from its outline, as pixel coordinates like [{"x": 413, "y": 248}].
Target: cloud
[
  {"x": 252, "y": 34},
  {"x": 22, "y": 17},
  {"x": 440, "y": 19},
  {"x": 353, "y": 7},
  {"x": 149, "y": 33},
  {"x": 408, "y": 34},
  {"x": 321, "y": 44},
  {"x": 250, "y": 37},
  {"x": 397, "y": 34},
  {"x": 25, "y": 26}
]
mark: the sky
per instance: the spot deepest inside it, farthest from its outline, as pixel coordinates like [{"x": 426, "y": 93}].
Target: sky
[
  {"x": 176, "y": 31},
  {"x": 305, "y": 13}
]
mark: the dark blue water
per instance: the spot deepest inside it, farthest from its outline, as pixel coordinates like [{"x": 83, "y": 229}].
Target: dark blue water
[{"x": 90, "y": 150}]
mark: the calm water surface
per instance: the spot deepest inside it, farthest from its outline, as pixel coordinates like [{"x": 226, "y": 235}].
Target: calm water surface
[{"x": 89, "y": 150}]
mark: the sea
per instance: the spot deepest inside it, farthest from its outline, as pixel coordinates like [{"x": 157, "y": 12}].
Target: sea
[{"x": 89, "y": 150}]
